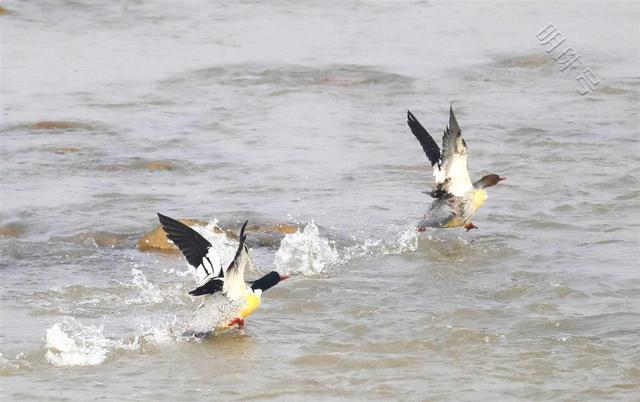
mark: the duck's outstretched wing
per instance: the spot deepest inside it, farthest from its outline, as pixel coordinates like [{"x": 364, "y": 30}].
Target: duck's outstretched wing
[
  {"x": 234, "y": 284},
  {"x": 452, "y": 141},
  {"x": 212, "y": 286},
  {"x": 429, "y": 146},
  {"x": 427, "y": 142},
  {"x": 198, "y": 252},
  {"x": 455, "y": 159},
  {"x": 191, "y": 243}
]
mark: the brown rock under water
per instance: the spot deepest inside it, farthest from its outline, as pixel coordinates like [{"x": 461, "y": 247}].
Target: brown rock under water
[
  {"x": 65, "y": 150},
  {"x": 529, "y": 61},
  {"x": 156, "y": 240},
  {"x": 4, "y": 11},
  {"x": 282, "y": 228},
  {"x": 99, "y": 238},
  {"x": 11, "y": 230},
  {"x": 106, "y": 239},
  {"x": 58, "y": 125},
  {"x": 155, "y": 166}
]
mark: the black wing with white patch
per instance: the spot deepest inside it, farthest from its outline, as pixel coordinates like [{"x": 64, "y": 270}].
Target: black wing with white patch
[
  {"x": 191, "y": 243},
  {"x": 212, "y": 286},
  {"x": 234, "y": 277},
  {"x": 233, "y": 267},
  {"x": 429, "y": 145},
  {"x": 452, "y": 141}
]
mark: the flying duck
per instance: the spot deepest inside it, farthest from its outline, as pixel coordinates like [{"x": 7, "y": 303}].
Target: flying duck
[
  {"x": 456, "y": 198},
  {"x": 230, "y": 300}
]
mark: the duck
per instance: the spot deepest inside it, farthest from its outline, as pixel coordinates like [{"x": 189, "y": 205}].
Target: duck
[
  {"x": 456, "y": 198},
  {"x": 229, "y": 299}
]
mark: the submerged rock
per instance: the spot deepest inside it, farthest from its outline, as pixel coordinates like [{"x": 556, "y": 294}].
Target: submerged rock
[
  {"x": 65, "y": 150},
  {"x": 157, "y": 240},
  {"x": 283, "y": 228},
  {"x": 154, "y": 166},
  {"x": 99, "y": 239},
  {"x": 150, "y": 165},
  {"x": 4, "y": 11},
  {"x": 268, "y": 235},
  {"x": 526, "y": 61},
  {"x": 59, "y": 125},
  {"x": 11, "y": 230}
]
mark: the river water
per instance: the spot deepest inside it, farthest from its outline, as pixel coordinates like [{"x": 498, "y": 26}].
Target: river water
[{"x": 295, "y": 112}]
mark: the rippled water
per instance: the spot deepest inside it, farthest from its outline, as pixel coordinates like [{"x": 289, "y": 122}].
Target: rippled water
[{"x": 295, "y": 113}]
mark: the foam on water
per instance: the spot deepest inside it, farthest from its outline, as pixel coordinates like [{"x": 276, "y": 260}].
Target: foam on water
[
  {"x": 72, "y": 343},
  {"x": 225, "y": 246},
  {"x": 69, "y": 343},
  {"x": 305, "y": 252},
  {"x": 404, "y": 239},
  {"x": 145, "y": 292},
  {"x": 162, "y": 331},
  {"x": 5, "y": 364},
  {"x": 401, "y": 241},
  {"x": 10, "y": 366},
  {"x": 149, "y": 293}
]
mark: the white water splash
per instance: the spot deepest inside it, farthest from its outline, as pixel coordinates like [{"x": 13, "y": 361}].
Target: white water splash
[
  {"x": 407, "y": 240},
  {"x": 70, "y": 343},
  {"x": 404, "y": 240},
  {"x": 147, "y": 291},
  {"x": 305, "y": 252},
  {"x": 163, "y": 331},
  {"x": 4, "y": 362},
  {"x": 11, "y": 366},
  {"x": 224, "y": 246}
]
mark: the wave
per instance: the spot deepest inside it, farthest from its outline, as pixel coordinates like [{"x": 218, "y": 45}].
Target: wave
[
  {"x": 308, "y": 253},
  {"x": 70, "y": 343},
  {"x": 305, "y": 252}
]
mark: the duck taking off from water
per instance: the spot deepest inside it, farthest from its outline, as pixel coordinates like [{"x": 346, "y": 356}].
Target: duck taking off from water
[
  {"x": 229, "y": 299},
  {"x": 456, "y": 198}
]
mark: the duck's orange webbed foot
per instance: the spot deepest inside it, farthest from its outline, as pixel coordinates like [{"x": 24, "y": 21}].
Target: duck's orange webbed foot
[
  {"x": 238, "y": 321},
  {"x": 470, "y": 226}
]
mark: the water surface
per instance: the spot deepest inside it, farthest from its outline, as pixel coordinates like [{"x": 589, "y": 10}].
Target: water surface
[{"x": 295, "y": 112}]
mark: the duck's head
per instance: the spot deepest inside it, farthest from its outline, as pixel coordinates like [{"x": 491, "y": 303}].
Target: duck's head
[
  {"x": 268, "y": 281},
  {"x": 489, "y": 180}
]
